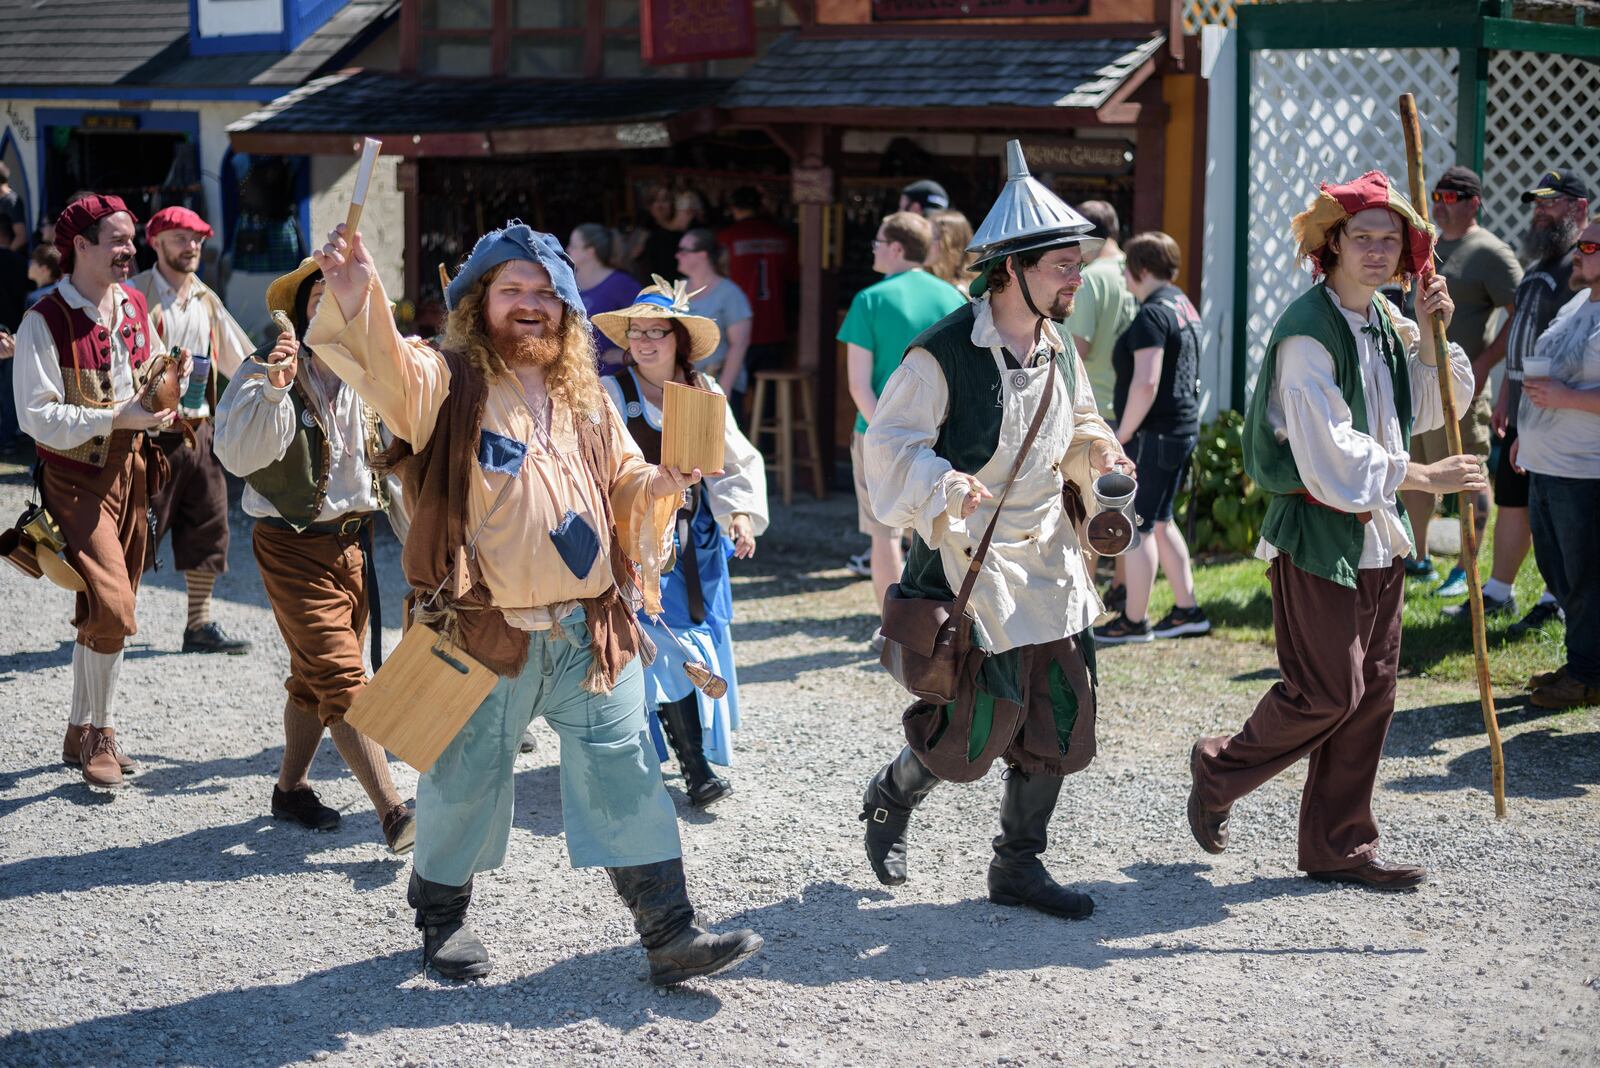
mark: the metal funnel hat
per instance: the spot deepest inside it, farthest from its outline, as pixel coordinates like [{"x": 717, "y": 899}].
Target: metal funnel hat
[{"x": 1028, "y": 217}]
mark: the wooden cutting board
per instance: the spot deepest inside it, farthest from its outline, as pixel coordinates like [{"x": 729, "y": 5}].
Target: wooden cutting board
[
  {"x": 693, "y": 424},
  {"x": 421, "y": 698}
]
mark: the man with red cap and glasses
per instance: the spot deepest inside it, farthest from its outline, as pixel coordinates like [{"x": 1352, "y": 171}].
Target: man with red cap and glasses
[
  {"x": 83, "y": 356},
  {"x": 194, "y": 503},
  {"x": 1345, "y": 383}
]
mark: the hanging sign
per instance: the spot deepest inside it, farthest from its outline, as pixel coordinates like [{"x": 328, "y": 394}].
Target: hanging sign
[
  {"x": 686, "y": 31},
  {"x": 883, "y": 10},
  {"x": 1080, "y": 156}
]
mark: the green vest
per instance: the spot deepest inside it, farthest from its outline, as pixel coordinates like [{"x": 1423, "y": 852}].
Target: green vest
[
  {"x": 297, "y": 483},
  {"x": 971, "y": 430},
  {"x": 1319, "y": 540}
]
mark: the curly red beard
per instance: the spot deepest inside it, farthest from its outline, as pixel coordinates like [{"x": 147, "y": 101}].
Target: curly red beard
[{"x": 521, "y": 350}]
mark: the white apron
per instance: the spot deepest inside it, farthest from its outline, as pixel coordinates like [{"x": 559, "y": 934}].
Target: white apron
[{"x": 1034, "y": 586}]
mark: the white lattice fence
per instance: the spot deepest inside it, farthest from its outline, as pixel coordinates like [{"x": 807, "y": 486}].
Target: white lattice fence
[
  {"x": 1328, "y": 115},
  {"x": 1542, "y": 110}
]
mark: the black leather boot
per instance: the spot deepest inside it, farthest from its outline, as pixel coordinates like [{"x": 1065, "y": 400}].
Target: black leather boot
[
  {"x": 448, "y": 945},
  {"x": 886, "y": 808},
  {"x": 680, "y": 720},
  {"x": 678, "y": 950},
  {"x": 1016, "y": 875}
]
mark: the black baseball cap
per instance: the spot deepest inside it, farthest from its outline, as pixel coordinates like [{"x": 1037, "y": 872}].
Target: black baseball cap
[
  {"x": 1557, "y": 184},
  {"x": 1459, "y": 179},
  {"x": 928, "y": 193}
]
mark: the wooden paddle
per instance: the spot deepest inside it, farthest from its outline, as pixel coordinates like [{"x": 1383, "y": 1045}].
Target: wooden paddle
[{"x": 1411, "y": 123}]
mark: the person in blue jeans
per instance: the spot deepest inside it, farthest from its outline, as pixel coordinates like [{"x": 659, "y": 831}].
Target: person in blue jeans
[
  {"x": 1157, "y": 405},
  {"x": 1558, "y": 445}
]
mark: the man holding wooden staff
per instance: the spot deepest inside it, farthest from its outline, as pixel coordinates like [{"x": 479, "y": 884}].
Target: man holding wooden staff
[
  {"x": 530, "y": 505},
  {"x": 1345, "y": 383}
]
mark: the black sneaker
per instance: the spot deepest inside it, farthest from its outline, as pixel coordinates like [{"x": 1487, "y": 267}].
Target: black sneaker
[
  {"x": 1537, "y": 617},
  {"x": 1116, "y": 599},
  {"x": 1183, "y": 622},
  {"x": 211, "y": 638},
  {"x": 1121, "y": 632},
  {"x": 304, "y": 807},
  {"x": 1492, "y": 606}
]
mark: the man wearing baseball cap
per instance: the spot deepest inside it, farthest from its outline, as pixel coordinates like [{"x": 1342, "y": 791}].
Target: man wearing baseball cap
[
  {"x": 1560, "y": 201},
  {"x": 194, "y": 503},
  {"x": 1482, "y": 273},
  {"x": 924, "y": 197}
]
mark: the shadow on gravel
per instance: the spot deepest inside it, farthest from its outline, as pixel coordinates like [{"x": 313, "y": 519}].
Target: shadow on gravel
[
  {"x": 14, "y": 665},
  {"x": 787, "y": 668},
  {"x": 1544, "y": 764},
  {"x": 292, "y": 1022},
  {"x": 1415, "y": 732},
  {"x": 213, "y": 855}
]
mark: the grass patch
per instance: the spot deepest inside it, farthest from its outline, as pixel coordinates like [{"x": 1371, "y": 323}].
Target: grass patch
[{"x": 1235, "y": 595}]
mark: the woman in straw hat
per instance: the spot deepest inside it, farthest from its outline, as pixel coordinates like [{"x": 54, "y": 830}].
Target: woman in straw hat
[
  {"x": 723, "y": 515},
  {"x": 305, "y": 443}
]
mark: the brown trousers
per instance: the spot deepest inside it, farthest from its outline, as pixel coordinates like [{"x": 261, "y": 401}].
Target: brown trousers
[
  {"x": 104, "y": 517},
  {"x": 318, "y": 594},
  {"x": 193, "y": 504},
  {"x": 1338, "y": 651}
]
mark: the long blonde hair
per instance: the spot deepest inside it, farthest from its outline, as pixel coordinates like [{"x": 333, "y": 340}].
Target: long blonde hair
[
  {"x": 572, "y": 379},
  {"x": 948, "y": 257}
]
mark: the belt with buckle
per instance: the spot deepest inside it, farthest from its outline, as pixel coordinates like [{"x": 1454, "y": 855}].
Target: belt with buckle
[{"x": 347, "y": 527}]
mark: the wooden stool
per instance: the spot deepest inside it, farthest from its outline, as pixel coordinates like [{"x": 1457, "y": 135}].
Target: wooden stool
[{"x": 783, "y": 424}]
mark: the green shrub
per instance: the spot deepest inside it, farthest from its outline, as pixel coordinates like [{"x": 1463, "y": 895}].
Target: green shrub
[{"x": 1228, "y": 506}]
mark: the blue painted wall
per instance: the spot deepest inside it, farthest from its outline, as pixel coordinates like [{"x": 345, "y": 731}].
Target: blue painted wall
[{"x": 301, "y": 18}]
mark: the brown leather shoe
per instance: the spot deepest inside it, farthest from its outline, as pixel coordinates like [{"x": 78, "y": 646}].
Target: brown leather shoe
[
  {"x": 1565, "y": 692},
  {"x": 400, "y": 829},
  {"x": 1375, "y": 876},
  {"x": 1545, "y": 678},
  {"x": 99, "y": 752},
  {"x": 72, "y": 748},
  {"x": 1209, "y": 827}
]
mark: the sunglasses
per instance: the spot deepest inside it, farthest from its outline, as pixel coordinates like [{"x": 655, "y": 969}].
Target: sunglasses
[
  {"x": 1449, "y": 196},
  {"x": 1589, "y": 248}
]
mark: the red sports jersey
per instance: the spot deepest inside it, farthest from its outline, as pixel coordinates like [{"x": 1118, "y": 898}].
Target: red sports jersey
[{"x": 761, "y": 261}]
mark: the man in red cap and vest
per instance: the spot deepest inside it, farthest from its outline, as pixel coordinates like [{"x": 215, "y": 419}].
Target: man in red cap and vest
[
  {"x": 83, "y": 356},
  {"x": 194, "y": 503},
  {"x": 1345, "y": 383}
]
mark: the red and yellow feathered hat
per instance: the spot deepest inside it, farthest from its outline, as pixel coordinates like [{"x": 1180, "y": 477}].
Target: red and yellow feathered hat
[{"x": 1336, "y": 203}]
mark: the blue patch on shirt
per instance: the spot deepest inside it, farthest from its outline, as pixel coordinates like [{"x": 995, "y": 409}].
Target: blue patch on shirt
[
  {"x": 496, "y": 452},
  {"x": 577, "y": 543}
]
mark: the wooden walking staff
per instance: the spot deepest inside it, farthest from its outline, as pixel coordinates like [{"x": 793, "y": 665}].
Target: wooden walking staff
[
  {"x": 1411, "y": 123},
  {"x": 358, "y": 198}
]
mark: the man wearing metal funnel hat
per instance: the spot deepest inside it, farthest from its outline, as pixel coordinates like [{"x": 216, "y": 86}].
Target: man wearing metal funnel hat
[
  {"x": 535, "y": 524},
  {"x": 981, "y": 485}
]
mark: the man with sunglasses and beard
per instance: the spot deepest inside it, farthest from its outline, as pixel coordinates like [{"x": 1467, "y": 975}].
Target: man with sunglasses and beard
[
  {"x": 193, "y": 506},
  {"x": 1560, "y": 204},
  {"x": 970, "y": 443},
  {"x": 535, "y": 522},
  {"x": 83, "y": 355}
]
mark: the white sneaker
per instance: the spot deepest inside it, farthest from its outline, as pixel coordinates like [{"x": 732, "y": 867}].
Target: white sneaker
[{"x": 860, "y": 565}]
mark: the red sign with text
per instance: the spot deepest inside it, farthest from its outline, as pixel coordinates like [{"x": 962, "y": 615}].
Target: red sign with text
[
  {"x": 974, "y": 9},
  {"x": 686, "y": 31}
]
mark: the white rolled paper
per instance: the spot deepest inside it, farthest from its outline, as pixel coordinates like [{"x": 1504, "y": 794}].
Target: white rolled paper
[{"x": 369, "y": 154}]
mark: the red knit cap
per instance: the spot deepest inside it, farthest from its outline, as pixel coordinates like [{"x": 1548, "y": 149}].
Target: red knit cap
[
  {"x": 176, "y": 217},
  {"x": 1337, "y": 203},
  {"x": 78, "y": 217}
]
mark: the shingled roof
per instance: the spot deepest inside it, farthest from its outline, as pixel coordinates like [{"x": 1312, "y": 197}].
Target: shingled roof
[
  {"x": 949, "y": 72},
  {"x": 375, "y": 103},
  {"x": 145, "y": 44}
]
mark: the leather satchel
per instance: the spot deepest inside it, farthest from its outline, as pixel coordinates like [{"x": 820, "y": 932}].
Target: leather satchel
[{"x": 928, "y": 643}]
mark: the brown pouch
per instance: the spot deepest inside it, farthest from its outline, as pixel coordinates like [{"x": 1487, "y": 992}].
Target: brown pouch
[{"x": 18, "y": 549}]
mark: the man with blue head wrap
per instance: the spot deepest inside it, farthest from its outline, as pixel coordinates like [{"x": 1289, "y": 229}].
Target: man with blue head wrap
[{"x": 536, "y": 527}]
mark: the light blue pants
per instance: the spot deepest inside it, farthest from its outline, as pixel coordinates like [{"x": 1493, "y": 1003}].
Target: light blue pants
[{"x": 616, "y": 811}]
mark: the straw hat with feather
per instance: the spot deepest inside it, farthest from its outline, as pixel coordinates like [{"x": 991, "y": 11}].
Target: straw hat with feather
[{"x": 663, "y": 300}]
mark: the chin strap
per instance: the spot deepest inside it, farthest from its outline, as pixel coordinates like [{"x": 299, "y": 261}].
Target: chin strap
[{"x": 1027, "y": 298}]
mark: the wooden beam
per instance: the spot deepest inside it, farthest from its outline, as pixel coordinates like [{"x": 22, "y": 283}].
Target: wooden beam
[
  {"x": 979, "y": 118},
  {"x": 989, "y": 31},
  {"x": 412, "y": 146}
]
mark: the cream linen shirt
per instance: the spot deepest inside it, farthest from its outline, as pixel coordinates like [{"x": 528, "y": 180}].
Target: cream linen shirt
[
  {"x": 1343, "y": 468},
  {"x": 256, "y": 424},
  {"x": 185, "y": 322},
  {"x": 1034, "y": 586},
  {"x": 407, "y": 382},
  {"x": 42, "y": 411}
]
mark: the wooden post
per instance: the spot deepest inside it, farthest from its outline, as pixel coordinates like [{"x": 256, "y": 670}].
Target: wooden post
[{"x": 1411, "y": 123}]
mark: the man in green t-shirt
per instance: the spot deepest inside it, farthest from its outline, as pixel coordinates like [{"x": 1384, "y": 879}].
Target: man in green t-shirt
[
  {"x": 1103, "y": 308},
  {"x": 883, "y": 320},
  {"x": 1483, "y": 274}
]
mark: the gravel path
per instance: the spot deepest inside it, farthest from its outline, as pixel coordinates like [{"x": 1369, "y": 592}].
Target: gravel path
[{"x": 174, "y": 923}]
